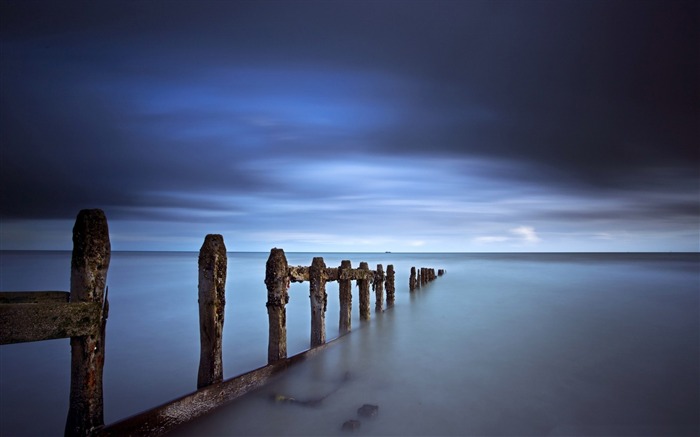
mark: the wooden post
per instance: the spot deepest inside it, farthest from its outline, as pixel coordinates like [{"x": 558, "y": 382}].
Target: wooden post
[
  {"x": 319, "y": 301},
  {"x": 88, "y": 280},
  {"x": 363, "y": 284},
  {"x": 345, "y": 292},
  {"x": 441, "y": 272},
  {"x": 378, "y": 286},
  {"x": 277, "y": 282},
  {"x": 412, "y": 279},
  {"x": 390, "y": 285},
  {"x": 212, "y": 299}
]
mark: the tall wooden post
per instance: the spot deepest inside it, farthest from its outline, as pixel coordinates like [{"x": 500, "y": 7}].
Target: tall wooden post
[
  {"x": 277, "y": 282},
  {"x": 363, "y": 285},
  {"x": 378, "y": 285},
  {"x": 212, "y": 299},
  {"x": 390, "y": 285},
  {"x": 412, "y": 279},
  {"x": 345, "y": 292},
  {"x": 319, "y": 301},
  {"x": 88, "y": 280}
]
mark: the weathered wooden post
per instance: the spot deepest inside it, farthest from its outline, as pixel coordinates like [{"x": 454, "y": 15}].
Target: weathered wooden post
[
  {"x": 363, "y": 285},
  {"x": 412, "y": 279},
  {"x": 212, "y": 299},
  {"x": 390, "y": 285},
  {"x": 277, "y": 282},
  {"x": 88, "y": 280},
  {"x": 319, "y": 300},
  {"x": 378, "y": 286},
  {"x": 345, "y": 292},
  {"x": 441, "y": 272}
]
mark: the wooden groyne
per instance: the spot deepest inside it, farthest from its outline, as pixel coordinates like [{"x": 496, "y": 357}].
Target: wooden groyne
[
  {"x": 279, "y": 275},
  {"x": 81, "y": 315},
  {"x": 422, "y": 277}
]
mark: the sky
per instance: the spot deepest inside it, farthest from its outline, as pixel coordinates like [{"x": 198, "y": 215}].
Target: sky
[{"x": 361, "y": 126}]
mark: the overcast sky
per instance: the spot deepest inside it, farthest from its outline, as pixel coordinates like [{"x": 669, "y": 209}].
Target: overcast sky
[{"x": 353, "y": 126}]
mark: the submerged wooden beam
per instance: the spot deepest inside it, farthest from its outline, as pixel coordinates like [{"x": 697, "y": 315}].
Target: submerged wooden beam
[
  {"x": 23, "y": 322},
  {"x": 212, "y": 300},
  {"x": 164, "y": 418},
  {"x": 89, "y": 265},
  {"x": 277, "y": 282}
]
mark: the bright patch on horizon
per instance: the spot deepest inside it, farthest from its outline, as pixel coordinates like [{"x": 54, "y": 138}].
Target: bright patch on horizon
[
  {"x": 527, "y": 233},
  {"x": 521, "y": 234}
]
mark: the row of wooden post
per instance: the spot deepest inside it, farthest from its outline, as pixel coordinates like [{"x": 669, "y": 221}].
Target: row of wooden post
[
  {"x": 422, "y": 277},
  {"x": 82, "y": 313},
  {"x": 279, "y": 275}
]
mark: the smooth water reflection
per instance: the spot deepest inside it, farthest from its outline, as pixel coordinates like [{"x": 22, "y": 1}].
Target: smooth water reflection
[
  {"x": 504, "y": 344},
  {"x": 506, "y": 348}
]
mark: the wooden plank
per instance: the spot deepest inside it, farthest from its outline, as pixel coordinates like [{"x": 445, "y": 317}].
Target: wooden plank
[
  {"x": 164, "y": 418},
  {"x": 33, "y": 296},
  {"x": 332, "y": 274},
  {"x": 23, "y": 322},
  {"x": 298, "y": 273}
]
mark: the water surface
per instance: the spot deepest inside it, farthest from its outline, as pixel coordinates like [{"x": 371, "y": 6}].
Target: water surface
[{"x": 503, "y": 344}]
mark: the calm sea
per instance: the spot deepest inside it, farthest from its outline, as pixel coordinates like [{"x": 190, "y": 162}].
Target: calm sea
[{"x": 503, "y": 344}]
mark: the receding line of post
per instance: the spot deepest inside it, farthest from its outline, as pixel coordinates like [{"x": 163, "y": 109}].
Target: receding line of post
[
  {"x": 422, "y": 277},
  {"x": 279, "y": 275},
  {"x": 81, "y": 314}
]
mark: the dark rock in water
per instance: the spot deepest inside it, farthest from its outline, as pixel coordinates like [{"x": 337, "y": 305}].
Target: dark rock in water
[
  {"x": 351, "y": 425},
  {"x": 368, "y": 410}
]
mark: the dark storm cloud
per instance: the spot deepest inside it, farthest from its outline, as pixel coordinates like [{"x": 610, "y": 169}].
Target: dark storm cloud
[{"x": 186, "y": 110}]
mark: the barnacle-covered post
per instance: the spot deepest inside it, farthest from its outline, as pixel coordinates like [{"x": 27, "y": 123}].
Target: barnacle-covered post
[
  {"x": 319, "y": 300},
  {"x": 378, "y": 286},
  {"x": 390, "y": 285},
  {"x": 277, "y": 281},
  {"x": 345, "y": 292},
  {"x": 88, "y": 280},
  {"x": 363, "y": 277},
  {"x": 212, "y": 299}
]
